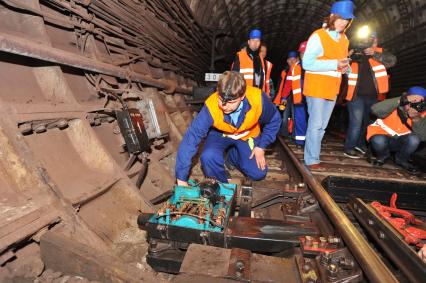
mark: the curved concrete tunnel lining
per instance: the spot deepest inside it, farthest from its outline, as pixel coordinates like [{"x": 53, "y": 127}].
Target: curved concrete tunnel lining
[{"x": 400, "y": 25}]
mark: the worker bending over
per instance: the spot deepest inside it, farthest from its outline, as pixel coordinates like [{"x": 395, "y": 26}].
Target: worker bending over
[
  {"x": 237, "y": 119},
  {"x": 400, "y": 127},
  {"x": 249, "y": 63}
]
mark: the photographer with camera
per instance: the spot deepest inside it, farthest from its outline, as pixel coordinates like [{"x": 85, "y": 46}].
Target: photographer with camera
[
  {"x": 400, "y": 127},
  {"x": 367, "y": 84}
]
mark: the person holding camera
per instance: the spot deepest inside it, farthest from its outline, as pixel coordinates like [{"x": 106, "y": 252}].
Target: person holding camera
[
  {"x": 368, "y": 83},
  {"x": 400, "y": 127}
]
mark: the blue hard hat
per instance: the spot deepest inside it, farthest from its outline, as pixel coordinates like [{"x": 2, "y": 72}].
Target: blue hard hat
[
  {"x": 345, "y": 9},
  {"x": 255, "y": 34},
  {"x": 292, "y": 54},
  {"x": 417, "y": 90}
]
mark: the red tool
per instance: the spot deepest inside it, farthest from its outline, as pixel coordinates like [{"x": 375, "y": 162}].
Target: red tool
[{"x": 402, "y": 221}]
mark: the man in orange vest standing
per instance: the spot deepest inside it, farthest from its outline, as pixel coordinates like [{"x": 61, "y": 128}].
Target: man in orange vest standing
[
  {"x": 285, "y": 84},
  {"x": 296, "y": 102},
  {"x": 249, "y": 63},
  {"x": 400, "y": 127},
  {"x": 367, "y": 83},
  {"x": 268, "y": 69},
  {"x": 238, "y": 119}
]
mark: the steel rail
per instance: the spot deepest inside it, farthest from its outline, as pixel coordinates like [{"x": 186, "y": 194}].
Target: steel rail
[
  {"x": 24, "y": 47},
  {"x": 393, "y": 244},
  {"x": 368, "y": 259}
]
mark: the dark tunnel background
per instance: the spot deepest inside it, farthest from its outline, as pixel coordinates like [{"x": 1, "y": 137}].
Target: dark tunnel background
[{"x": 400, "y": 24}]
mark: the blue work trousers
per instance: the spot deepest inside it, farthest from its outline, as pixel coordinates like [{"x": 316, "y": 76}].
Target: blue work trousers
[
  {"x": 359, "y": 118},
  {"x": 319, "y": 110},
  {"x": 213, "y": 157},
  {"x": 403, "y": 146},
  {"x": 299, "y": 122}
]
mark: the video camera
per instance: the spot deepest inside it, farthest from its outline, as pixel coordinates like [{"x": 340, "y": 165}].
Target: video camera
[
  {"x": 359, "y": 46},
  {"x": 363, "y": 40},
  {"x": 418, "y": 106}
]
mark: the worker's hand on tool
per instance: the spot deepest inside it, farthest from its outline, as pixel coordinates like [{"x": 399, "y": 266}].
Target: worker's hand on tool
[
  {"x": 369, "y": 51},
  {"x": 342, "y": 63},
  {"x": 422, "y": 253},
  {"x": 259, "y": 154},
  {"x": 182, "y": 183}
]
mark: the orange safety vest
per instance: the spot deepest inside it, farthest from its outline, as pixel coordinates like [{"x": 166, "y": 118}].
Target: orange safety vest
[
  {"x": 277, "y": 99},
  {"x": 268, "y": 77},
  {"x": 389, "y": 126},
  {"x": 296, "y": 75},
  {"x": 326, "y": 84},
  {"x": 380, "y": 76},
  {"x": 250, "y": 128},
  {"x": 247, "y": 68}
]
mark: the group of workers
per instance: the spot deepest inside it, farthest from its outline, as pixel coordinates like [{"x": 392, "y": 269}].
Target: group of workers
[{"x": 241, "y": 119}]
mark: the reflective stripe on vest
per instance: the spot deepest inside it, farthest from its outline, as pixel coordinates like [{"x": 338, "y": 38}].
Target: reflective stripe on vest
[
  {"x": 268, "y": 77},
  {"x": 389, "y": 126},
  {"x": 380, "y": 76},
  {"x": 237, "y": 136},
  {"x": 247, "y": 69},
  {"x": 326, "y": 84},
  {"x": 334, "y": 74},
  {"x": 250, "y": 127},
  {"x": 381, "y": 123},
  {"x": 296, "y": 75}
]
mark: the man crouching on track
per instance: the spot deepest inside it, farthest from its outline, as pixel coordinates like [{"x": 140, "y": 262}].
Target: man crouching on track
[
  {"x": 237, "y": 119},
  {"x": 400, "y": 127}
]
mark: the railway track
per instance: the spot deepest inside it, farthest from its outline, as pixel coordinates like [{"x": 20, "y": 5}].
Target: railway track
[
  {"x": 365, "y": 231},
  {"x": 315, "y": 236}
]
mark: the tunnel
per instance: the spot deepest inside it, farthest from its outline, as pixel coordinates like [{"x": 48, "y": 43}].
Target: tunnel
[{"x": 96, "y": 97}]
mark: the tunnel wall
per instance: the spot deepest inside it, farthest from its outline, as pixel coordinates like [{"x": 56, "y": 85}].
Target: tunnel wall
[{"x": 64, "y": 67}]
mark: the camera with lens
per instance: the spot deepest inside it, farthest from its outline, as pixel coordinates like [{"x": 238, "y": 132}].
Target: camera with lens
[
  {"x": 419, "y": 106},
  {"x": 358, "y": 48}
]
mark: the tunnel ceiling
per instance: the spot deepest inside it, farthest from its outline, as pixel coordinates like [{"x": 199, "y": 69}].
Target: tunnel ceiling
[
  {"x": 173, "y": 38},
  {"x": 401, "y": 24}
]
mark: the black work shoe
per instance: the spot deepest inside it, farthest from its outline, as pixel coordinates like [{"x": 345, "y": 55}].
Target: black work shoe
[
  {"x": 352, "y": 154},
  {"x": 362, "y": 150},
  {"x": 410, "y": 168},
  {"x": 377, "y": 162}
]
